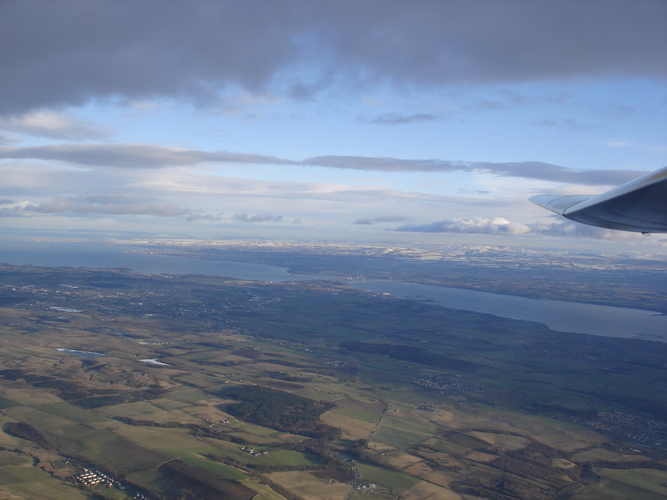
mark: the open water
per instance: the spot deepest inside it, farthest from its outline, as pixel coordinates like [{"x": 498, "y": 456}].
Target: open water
[
  {"x": 97, "y": 255},
  {"x": 557, "y": 315}
]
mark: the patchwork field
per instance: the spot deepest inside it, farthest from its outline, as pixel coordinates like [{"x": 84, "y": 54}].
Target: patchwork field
[{"x": 310, "y": 391}]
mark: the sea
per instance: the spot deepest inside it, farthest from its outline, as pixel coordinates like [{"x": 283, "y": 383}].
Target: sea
[{"x": 557, "y": 315}]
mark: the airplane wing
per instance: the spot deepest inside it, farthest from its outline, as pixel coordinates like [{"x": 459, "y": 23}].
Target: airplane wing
[{"x": 639, "y": 206}]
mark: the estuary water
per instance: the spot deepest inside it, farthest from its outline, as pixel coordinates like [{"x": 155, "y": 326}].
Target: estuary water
[
  {"x": 97, "y": 255},
  {"x": 557, "y": 315}
]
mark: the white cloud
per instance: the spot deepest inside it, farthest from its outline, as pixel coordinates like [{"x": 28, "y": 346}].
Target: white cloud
[
  {"x": 13, "y": 208},
  {"x": 117, "y": 204},
  {"x": 54, "y": 126},
  {"x": 501, "y": 226},
  {"x": 575, "y": 230},
  {"x": 493, "y": 225}
]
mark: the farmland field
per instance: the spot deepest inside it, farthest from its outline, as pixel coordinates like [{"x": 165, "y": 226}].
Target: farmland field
[{"x": 214, "y": 388}]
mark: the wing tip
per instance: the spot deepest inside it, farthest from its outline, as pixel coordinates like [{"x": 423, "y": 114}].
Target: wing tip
[{"x": 558, "y": 204}]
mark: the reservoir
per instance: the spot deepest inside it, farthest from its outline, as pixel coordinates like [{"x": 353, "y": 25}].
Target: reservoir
[{"x": 557, "y": 315}]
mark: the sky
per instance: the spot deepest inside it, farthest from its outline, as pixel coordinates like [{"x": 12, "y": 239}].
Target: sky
[{"x": 355, "y": 120}]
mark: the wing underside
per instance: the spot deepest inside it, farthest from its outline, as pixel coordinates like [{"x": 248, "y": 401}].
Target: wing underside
[{"x": 638, "y": 206}]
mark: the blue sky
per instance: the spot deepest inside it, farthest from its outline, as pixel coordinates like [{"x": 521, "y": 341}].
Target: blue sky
[{"x": 358, "y": 121}]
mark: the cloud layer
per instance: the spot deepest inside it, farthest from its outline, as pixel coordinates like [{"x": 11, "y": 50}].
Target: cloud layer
[
  {"x": 383, "y": 219},
  {"x": 243, "y": 217},
  {"x": 131, "y": 155},
  {"x": 501, "y": 226},
  {"x": 82, "y": 50},
  {"x": 494, "y": 225},
  {"x": 159, "y": 112},
  {"x": 148, "y": 156},
  {"x": 116, "y": 204},
  {"x": 54, "y": 126}
]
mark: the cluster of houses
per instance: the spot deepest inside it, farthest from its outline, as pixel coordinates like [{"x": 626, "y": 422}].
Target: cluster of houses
[
  {"x": 252, "y": 451},
  {"x": 93, "y": 477}
]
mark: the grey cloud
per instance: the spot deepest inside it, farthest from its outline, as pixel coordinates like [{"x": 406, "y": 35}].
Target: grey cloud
[
  {"x": 394, "y": 119},
  {"x": 13, "y": 208},
  {"x": 381, "y": 219},
  {"x": 243, "y": 217},
  {"x": 111, "y": 205},
  {"x": 131, "y": 155},
  {"x": 529, "y": 170},
  {"x": 69, "y": 53},
  {"x": 385, "y": 164},
  {"x": 205, "y": 217},
  {"x": 152, "y": 156},
  {"x": 390, "y": 218}
]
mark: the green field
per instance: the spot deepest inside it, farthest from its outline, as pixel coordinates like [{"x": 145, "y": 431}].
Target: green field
[
  {"x": 651, "y": 482},
  {"x": 216, "y": 468},
  {"x": 395, "y": 481},
  {"x": 28, "y": 482}
]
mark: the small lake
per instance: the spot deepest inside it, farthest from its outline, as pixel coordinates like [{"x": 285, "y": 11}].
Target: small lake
[
  {"x": 556, "y": 314},
  {"x": 81, "y": 354},
  {"x": 154, "y": 362}
]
